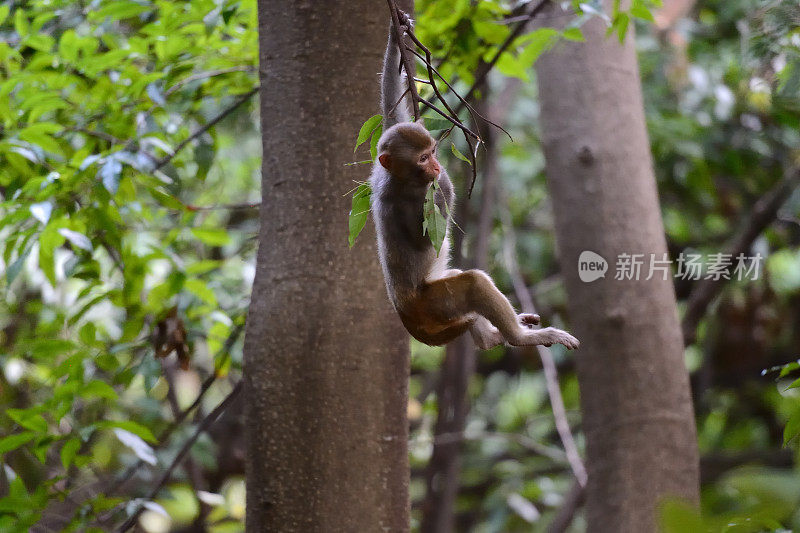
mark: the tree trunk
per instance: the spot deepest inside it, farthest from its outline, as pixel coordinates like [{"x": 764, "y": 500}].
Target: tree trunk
[
  {"x": 326, "y": 358},
  {"x": 637, "y": 411}
]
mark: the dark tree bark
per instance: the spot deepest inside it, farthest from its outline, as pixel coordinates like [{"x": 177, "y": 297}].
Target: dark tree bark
[
  {"x": 326, "y": 359},
  {"x": 637, "y": 411}
]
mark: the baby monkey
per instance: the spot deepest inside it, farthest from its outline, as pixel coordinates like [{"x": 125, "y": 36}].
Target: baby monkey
[{"x": 436, "y": 304}]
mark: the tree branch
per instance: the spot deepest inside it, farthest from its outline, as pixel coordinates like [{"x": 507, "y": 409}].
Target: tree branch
[
  {"x": 572, "y": 502},
  {"x": 763, "y": 214},
  {"x": 204, "y": 425},
  {"x": 213, "y": 122},
  {"x": 548, "y": 364}
]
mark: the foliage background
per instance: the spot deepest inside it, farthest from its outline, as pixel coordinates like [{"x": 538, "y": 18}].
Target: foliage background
[{"x": 129, "y": 173}]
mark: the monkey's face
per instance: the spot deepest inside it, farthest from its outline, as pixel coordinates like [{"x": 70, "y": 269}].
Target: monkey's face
[
  {"x": 428, "y": 165},
  {"x": 408, "y": 153}
]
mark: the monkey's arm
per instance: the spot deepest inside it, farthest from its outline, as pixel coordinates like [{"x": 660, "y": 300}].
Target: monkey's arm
[
  {"x": 445, "y": 197},
  {"x": 392, "y": 88}
]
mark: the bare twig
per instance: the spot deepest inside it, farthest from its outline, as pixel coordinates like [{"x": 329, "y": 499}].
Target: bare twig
[
  {"x": 207, "y": 74},
  {"x": 230, "y": 207},
  {"x": 201, "y": 427},
  {"x": 457, "y": 123},
  {"x": 470, "y": 108},
  {"x": 408, "y": 65},
  {"x": 548, "y": 364},
  {"x": 210, "y": 124},
  {"x": 397, "y": 103},
  {"x": 98, "y": 134},
  {"x": 524, "y": 441}
]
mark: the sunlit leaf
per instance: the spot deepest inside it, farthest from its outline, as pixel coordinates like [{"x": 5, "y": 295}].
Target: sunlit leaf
[
  {"x": 41, "y": 211},
  {"x": 212, "y": 236},
  {"x": 434, "y": 224},
  {"x": 366, "y": 130},
  {"x": 68, "y": 451},
  {"x": 458, "y": 154},
  {"x": 133, "y": 441},
  {"x": 359, "y": 211},
  {"x": 77, "y": 239},
  {"x": 129, "y": 426},
  {"x": 12, "y": 442}
]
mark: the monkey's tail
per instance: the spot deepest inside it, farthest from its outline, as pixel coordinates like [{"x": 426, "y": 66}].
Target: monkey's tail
[{"x": 393, "y": 86}]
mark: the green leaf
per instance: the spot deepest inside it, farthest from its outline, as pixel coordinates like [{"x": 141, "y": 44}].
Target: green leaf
[
  {"x": 167, "y": 200},
  {"x": 788, "y": 368},
  {"x": 12, "y": 442},
  {"x": 436, "y": 124},
  {"x": 40, "y": 41},
  {"x": 540, "y": 41},
  {"x": 201, "y": 290},
  {"x": 69, "y": 450},
  {"x": 28, "y": 419},
  {"x": 212, "y": 236},
  {"x": 128, "y": 425},
  {"x": 98, "y": 389},
  {"x": 38, "y": 136},
  {"x": 573, "y": 34},
  {"x": 51, "y": 348},
  {"x": 792, "y": 428},
  {"x": 358, "y": 211},
  {"x": 16, "y": 267},
  {"x": 21, "y": 24},
  {"x": 49, "y": 240},
  {"x": 4, "y": 11},
  {"x": 366, "y": 130},
  {"x": 78, "y": 240},
  {"x": 459, "y": 155},
  {"x": 641, "y": 12},
  {"x": 119, "y": 10},
  {"x": 434, "y": 223},
  {"x": 373, "y": 143},
  {"x": 620, "y": 25},
  {"x": 491, "y": 32},
  {"x": 69, "y": 45},
  {"x": 202, "y": 267},
  {"x": 795, "y": 384}
]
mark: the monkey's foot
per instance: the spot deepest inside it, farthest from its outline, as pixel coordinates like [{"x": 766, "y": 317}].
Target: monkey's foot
[
  {"x": 528, "y": 319},
  {"x": 551, "y": 336}
]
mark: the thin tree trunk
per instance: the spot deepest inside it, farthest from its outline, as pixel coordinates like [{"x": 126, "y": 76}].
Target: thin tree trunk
[
  {"x": 637, "y": 411},
  {"x": 326, "y": 359},
  {"x": 443, "y": 473}
]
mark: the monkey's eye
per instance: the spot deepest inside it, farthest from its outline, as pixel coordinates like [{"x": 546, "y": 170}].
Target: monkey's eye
[{"x": 423, "y": 158}]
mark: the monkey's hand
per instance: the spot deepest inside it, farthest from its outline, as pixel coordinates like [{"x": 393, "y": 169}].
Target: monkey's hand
[
  {"x": 405, "y": 21},
  {"x": 551, "y": 336},
  {"x": 528, "y": 320}
]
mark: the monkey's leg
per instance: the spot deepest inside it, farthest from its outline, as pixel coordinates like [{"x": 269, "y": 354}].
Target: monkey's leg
[
  {"x": 473, "y": 291},
  {"x": 485, "y": 334}
]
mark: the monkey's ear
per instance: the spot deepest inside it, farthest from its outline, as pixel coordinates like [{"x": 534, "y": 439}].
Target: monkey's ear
[{"x": 384, "y": 160}]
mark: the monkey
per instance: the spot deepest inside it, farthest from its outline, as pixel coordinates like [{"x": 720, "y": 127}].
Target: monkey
[{"x": 435, "y": 303}]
